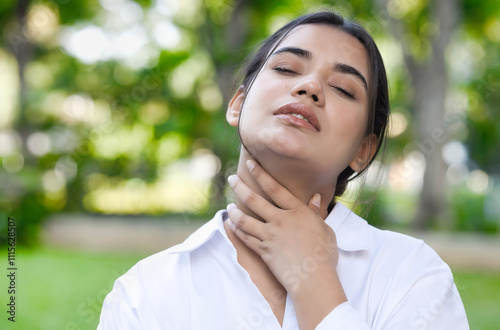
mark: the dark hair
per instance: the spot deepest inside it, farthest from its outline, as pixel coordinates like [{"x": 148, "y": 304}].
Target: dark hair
[{"x": 378, "y": 95}]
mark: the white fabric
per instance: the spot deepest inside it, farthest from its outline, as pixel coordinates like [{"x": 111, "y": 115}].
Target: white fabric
[{"x": 392, "y": 281}]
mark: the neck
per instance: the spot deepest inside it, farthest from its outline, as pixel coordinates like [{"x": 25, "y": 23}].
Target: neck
[{"x": 297, "y": 178}]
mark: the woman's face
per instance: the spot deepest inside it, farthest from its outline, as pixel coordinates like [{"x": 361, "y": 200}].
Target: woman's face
[{"x": 309, "y": 102}]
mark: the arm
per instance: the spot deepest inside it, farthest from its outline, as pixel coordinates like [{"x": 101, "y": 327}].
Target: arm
[
  {"x": 316, "y": 297},
  {"x": 295, "y": 243}
]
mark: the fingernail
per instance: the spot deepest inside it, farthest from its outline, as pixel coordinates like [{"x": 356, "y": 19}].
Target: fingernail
[
  {"x": 316, "y": 201},
  {"x": 230, "y": 206},
  {"x": 232, "y": 180},
  {"x": 250, "y": 164}
]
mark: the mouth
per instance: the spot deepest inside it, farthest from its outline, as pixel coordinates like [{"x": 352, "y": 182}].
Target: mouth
[{"x": 300, "y": 115}]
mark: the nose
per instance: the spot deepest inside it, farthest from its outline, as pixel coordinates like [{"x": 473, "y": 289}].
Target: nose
[{"x": 309, "y": 88}]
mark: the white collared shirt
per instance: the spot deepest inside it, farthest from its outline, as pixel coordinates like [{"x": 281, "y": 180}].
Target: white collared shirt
[{"x": 391, "y": 281}]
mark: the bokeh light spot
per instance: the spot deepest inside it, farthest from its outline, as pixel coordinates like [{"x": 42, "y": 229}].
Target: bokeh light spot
[
  {"x": 454, "y": 152},
  {"x": 166, "y": 35},
  {"x": 397, "y": 124},
  {"x": 478, "y": 181},
  {"x": 39, "y": 144},
  {"x": 10, "y": 141},
  {"x": 13, "y": 163},
  {"x": 52, "y": 182}
]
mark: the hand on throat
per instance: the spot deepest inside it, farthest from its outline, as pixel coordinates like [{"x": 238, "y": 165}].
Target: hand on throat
[{"x": 301, "y": 181}]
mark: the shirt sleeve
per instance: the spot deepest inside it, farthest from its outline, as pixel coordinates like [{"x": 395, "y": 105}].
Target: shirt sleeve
[
  {"x": 431, "y": 306},
  {"x": 117, "y": 311},
  {"x": 131, "y": 304},
  {"x": 142, "y": 298},
  {"x": 343, "y": 316},
  {"x": 418, "y": 293}
]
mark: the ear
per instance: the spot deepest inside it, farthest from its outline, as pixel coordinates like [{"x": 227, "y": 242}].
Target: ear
[
  {"x": 234, "y": 107},
  {"x": 365, "y": 153}
]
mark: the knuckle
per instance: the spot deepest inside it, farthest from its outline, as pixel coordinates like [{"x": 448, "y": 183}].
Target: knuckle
[
  {"x": 271, "y": 236},
  {"x": 264, "y": 249},
  {"x": 240, "y": 221},
  {"x": 296, "y": 211},
  {"x": 278, "y": 223},
  {"x": 273, "y": 188},
  {"x": 250, "y": 199},
  {"x": 244, "y": 236}
]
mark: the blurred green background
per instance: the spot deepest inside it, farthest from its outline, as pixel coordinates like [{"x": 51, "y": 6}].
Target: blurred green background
[{"x": 117, "y": 107}]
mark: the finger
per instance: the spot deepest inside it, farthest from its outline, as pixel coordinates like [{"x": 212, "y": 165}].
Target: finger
[
  {"x": 315, "y": 203},
  {"x": 251, "y": 241},
  {"x": 246, "y": 223},
  {"x": 254, "y": 201},
  {"x": 279, "y": 194}
]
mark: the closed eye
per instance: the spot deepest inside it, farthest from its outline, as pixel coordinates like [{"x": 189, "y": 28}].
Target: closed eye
[
  {"x": 282, "y": 69},
  {"x": 344, "y": 92}
]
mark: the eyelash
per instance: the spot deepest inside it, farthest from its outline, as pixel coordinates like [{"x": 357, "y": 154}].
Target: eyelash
[
  {"x": 344, "y": 92},
  {"x": 341, "y": 90},
  {"x": 284, "y": 70}
]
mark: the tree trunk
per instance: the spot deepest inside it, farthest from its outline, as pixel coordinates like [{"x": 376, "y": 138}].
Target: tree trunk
[
  {"x": 430, "y": 88},
  {"x": 429, "y": 79},
  {"x": 23, "y": 50},
  {"x": 431, "y": 85},
  {"x": 21, "y": 47},
  {"x": 235, "y": 34}
]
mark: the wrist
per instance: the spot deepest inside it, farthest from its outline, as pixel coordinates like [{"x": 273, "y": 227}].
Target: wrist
[
  {"x": 316, "y": 296},
  {"x": 321, "y": 285}
]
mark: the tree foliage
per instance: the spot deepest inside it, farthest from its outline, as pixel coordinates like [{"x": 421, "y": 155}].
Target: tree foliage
[{"x": 111, "y": 132}]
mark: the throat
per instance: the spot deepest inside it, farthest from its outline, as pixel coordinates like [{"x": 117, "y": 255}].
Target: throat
[
  {"x": 296, "y": 175},
  {"x": 262, "y": 277}
]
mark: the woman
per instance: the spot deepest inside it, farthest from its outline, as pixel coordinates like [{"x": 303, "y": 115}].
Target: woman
[{"x": 311, "y": 113}]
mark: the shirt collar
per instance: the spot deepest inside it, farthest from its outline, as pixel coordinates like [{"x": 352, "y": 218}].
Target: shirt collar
[
  {"x": 351, "y": 231},
  {"x": 203, "y": 234}
]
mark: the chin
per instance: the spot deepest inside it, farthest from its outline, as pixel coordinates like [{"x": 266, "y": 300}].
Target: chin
[
  {"x": 280, "y": 140},
  {"x": 281, "y": 147}
]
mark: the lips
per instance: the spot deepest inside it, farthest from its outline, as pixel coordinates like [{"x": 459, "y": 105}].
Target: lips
[{"x": 293, "y": 112}]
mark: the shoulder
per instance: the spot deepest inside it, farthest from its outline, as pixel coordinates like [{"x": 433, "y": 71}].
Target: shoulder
[
  {"x": 145, "y": 297},
  {"x": 416, "y": 285},
  {"x": 400, "y": 250},
  {"x": 385, "y": 256},
  {"x": 406, "y": 268},
  {"x": 354, "y": 234},
  {"x": 145, "y": 284},
  {"x": 167, "y": 270},
  {"x": 404, "y": 282},
  {"x": 156, "y": 267}
]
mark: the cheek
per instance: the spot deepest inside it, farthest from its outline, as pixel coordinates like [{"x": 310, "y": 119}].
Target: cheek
[
  {"x": 262, "y": 100},
  {"x": 266, "y": 87},
  {"x": 350, "y": 121},
  {"x": 252, "y": 124},
  {"x": 356, "y": 123},
  {"x": 347, "y": 132}
]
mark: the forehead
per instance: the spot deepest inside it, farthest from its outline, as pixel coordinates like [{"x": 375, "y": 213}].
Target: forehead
[{"x": 330, "y": 44}]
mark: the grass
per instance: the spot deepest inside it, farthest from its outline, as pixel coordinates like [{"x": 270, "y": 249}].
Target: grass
[
  {"x": 60, "y": 289},
  {"x": 480, "y": 292}
]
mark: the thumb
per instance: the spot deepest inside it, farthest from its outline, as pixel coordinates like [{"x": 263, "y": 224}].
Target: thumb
[{"x": 315, "y": 203}]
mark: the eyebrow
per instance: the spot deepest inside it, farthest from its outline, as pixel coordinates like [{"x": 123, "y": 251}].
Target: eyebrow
[
  {"x": 296, "y": 51},
  {"x": 338, "y": 67},
  {"x": 347, "y": 69}
]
